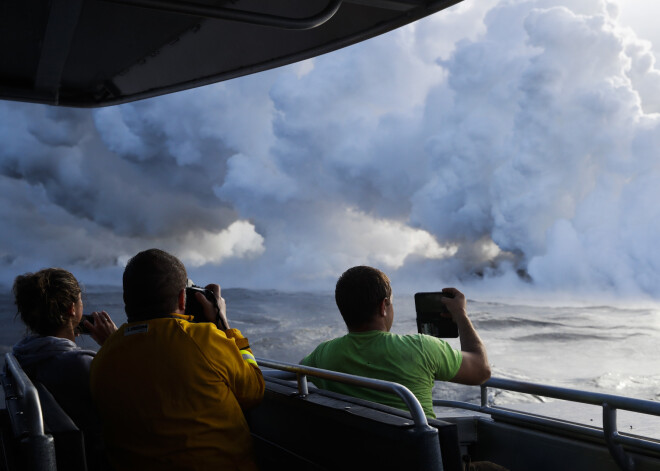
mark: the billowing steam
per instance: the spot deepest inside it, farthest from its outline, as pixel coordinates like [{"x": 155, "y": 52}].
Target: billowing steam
[{"x": 516, "y": 141}]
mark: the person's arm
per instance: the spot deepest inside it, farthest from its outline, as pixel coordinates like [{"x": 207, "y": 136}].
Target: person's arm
[
  {"x": 474, "y": 367},
  {"x": 240, "y": 368},
  {"x": 247, "y": 381},
  {"x": 209, "y": 309}
]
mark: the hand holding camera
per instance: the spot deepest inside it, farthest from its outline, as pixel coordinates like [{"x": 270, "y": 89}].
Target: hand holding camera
[
  {"x": 98, "y": 325},
  {"x": 455, "y": 302},
  {"x": 206, "y": 305}
]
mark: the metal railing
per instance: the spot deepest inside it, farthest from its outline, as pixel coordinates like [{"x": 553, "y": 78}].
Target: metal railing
[
  {"x": 608, "y": 402},
  {"x": 301, "y": 372}
]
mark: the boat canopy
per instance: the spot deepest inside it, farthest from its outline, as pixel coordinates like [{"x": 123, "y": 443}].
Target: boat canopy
[{"x": 89, "y": 53}]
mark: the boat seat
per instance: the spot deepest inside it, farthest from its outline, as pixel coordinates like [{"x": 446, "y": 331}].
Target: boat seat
[
  {"x": 9, "y": 451},
  {"x": 69, "y": 439},
  {"x": 62, "y": 445},
  {"x": 326, "y": 430}
]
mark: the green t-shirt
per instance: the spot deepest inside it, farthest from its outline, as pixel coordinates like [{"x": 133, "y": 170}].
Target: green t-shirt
[{"x": 414, "y": 361}]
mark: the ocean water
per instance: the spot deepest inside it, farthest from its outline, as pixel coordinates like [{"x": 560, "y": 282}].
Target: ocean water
[{"x": 597, "y": 348}]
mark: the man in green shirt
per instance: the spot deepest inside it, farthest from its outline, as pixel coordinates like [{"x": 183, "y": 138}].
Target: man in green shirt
[{"x": 364, "y": 298}]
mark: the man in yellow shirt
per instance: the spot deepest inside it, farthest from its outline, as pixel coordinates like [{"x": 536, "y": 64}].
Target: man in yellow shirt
[{"x": 171, "y": 392}]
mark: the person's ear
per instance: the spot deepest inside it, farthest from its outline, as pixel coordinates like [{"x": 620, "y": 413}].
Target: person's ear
[
  {"x": 181, "y": 301},
  {"x": 383, "y": 305},
  {"x": 72, "y": 310}
]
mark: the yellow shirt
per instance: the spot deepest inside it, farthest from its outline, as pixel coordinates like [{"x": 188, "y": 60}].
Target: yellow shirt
[{"x": 171, "y": 395}]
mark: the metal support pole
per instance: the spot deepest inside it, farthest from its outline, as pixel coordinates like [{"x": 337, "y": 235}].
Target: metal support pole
[
  {"x": 303, "y": 390},
  {"x": 611, "y": 433}
]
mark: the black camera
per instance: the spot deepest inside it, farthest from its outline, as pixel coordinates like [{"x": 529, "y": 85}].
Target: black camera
[
  {"x": 433, "y": 317},
  {"x": 194, "y": 308},
  {"x": 81, "y": 329}
]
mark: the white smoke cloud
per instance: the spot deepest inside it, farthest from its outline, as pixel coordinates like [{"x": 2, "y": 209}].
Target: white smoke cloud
[
  {"x": 540, "y": 138},
  {"x": 238, "y": 240},
  {"x": 505, "y": 140}
]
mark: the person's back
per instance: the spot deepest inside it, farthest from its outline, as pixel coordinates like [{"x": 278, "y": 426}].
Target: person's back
[
  {"x": 166, "y": 390},
  {"x": 171, "y": 392},
  {"x": 414, "y": 361},
  {"x": 63, "y": 368}
]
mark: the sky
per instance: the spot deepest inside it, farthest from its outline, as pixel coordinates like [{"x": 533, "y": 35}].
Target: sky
[{"x": 506, "y": 146}]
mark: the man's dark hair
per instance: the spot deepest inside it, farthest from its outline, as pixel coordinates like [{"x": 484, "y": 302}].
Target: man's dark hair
[
  {"x": 152, "y": 282},
  {"x": 359, "y": 292}
]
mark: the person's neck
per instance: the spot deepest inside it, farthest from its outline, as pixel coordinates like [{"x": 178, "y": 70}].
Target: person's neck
[
  {"x": 369, "y": 326},
  {"x": 65, "y": 332}
]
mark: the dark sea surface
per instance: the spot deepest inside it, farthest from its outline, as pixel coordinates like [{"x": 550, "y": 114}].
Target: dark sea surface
[{"x": 598, "y": 348}]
